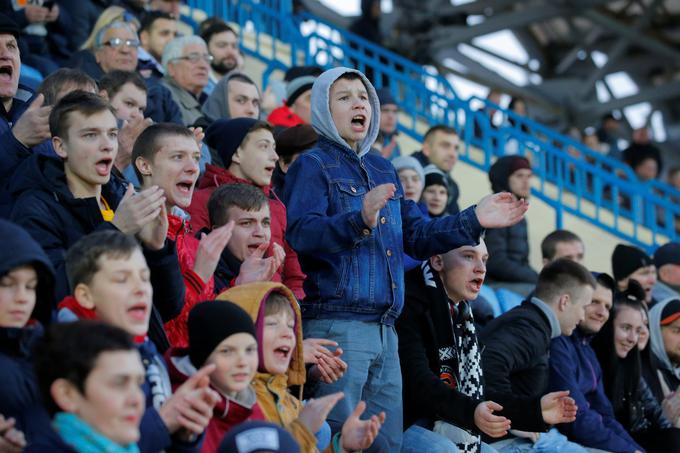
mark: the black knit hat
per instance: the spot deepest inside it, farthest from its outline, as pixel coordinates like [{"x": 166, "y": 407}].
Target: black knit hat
[
  {"x": 670, "y": 312},
  {"x": 627, "y": 259},
  {"x": 385, "y": 97},
  {"x": 8, "y": 26},
  {"x": 667, "y": 254},
  {"x": 226, "y": 135},
  {"x": 295, "y": 139},
  {"x": 433, "y": 176},
  {"x": 210, "y": 323}
]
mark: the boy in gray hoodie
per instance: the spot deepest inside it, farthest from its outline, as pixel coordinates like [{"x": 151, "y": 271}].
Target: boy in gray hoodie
[{"x": 350, "y": 224}]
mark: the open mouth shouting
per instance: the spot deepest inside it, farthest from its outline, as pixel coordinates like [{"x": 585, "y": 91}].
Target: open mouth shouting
[
  {"x": 359, "y": 123},
  {"x": 103, "y": 166},
  {"x": 6, "y": 72},
  {"x": 475, "y": 284},
  {"x": 138, "y": 312}
]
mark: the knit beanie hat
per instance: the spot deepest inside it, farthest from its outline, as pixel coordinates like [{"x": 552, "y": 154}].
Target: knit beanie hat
[
  {"x": 226, "y": 135},
  {"x": 667, "y": 254},
  {"x": 255, "y": 436},
  {"x": 210, "y": 323},
  {"x": 500, "y": 171},
  {"x": 8, "y": 26},
  {"x": 407, "y": 162},
  {"x": 670, "y": 312},
  {"x": 295, "y": 139},
  {"x": 385, "y": 97},
  {"x": 627, "y": 259},
  {"x": 297, "y": 87},
  {"x": 433, "y": 175}
]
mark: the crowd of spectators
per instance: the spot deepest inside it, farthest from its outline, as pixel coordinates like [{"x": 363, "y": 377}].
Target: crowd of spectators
[{"x": 191, "y": 266}]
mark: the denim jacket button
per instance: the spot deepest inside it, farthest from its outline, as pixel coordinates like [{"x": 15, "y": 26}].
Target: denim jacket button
[
  {"x": 383, "y": 220},
  {"x": 389, "y": 252},
  {"x": 353, "y": 189},
  {"x": 366, "y": 232}
]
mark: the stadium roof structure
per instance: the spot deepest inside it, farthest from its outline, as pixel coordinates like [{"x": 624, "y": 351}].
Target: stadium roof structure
[{"x": 573, "y": 60}]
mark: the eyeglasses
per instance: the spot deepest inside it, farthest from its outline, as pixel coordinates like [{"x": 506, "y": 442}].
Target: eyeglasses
[
  {"x": 118, "y": 42},
  {"x": 195, "y": 57}
]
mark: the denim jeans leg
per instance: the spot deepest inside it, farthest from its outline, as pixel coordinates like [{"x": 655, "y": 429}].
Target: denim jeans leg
[{"x": 417, "y": 439}]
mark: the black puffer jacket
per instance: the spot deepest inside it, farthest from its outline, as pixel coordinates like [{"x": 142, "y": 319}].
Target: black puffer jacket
[{"x": 508, "y": 247}]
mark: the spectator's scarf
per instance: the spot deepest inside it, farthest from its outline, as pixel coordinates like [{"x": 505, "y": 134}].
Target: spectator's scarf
[{"x": 84, "y": 439}]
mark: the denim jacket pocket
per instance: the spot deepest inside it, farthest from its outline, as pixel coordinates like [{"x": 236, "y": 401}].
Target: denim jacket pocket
[{"x": 351, "y": 195}]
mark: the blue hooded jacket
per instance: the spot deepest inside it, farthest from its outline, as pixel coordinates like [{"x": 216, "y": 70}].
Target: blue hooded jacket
[{"x": 353, "y": 271}]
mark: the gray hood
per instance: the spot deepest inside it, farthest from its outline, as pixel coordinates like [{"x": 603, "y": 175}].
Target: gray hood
[
  {"x": 656, "y": 339},
  {"x": 321, "y": 113},
  {"x": 216, "y": 107}
]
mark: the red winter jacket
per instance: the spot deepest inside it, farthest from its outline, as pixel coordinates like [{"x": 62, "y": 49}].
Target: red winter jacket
[
  {"x": 290, "y": 273},
  {"x": 196, "y": 289},
  {"x": 284, "y": 116}
]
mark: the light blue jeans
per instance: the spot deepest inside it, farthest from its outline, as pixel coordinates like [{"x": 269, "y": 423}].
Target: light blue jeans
[
  {"x": 418, "y": 440},
  {"x": 373, "y": 373}
]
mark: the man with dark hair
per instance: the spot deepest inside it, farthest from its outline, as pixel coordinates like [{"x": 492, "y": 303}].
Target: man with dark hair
[
  {"x": 62, "y": 81},
  {"x": 629, "y": 262},
  {"x": 517, "y": 343},
  {"x": 290, "y": 143},
  {"x": 297, "y": 107},
  {"x": 389, "y": 111},
  {"x": 156, "y": 31},
  {"x": 667, "y": 263},
  {"x": 508, "y": 265},
  {"x": 61, "y": 200},
  {"x": 222, "y": 43},
  {"x": 440, "y": 148},
  {"x": 574, "y": 367},
  {"x": 562, "y": 244}
]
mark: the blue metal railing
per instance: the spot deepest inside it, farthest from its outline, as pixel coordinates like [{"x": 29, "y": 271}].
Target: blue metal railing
[{"x": 617, "y": 202}]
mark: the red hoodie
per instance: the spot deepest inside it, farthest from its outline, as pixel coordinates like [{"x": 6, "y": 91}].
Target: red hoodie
[
  {"x": 227, "y": 413},
  {"x": 196, "y": 289},
  {"x": 284, "y": 116},
  {"x": 290, "y": 273}
]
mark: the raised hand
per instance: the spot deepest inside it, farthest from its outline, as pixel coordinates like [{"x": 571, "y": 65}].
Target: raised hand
[
  {"x": 558, "y": 407},
  {"x": 33, "y": 126},
  {"x": 500, "y": 210},
  {"x": 126, "y": 139},
  {"x": 11, "y": 439},
  {"x": 153, "y": 234},
  {"x": 255, "y": 268},
  {"x": 35, "y": 13},
  {"x": 199, "y": 135},
  {"x": 359, "y": 434},
  {"x": 490, "y": 424},
  {"x": 137, "y": 209},
  {"x": 210, "y": 249},
  {"x": 315, "y": 411},
  {"x": 190, "y": 407},
  {"x": 374, "y": 201}
]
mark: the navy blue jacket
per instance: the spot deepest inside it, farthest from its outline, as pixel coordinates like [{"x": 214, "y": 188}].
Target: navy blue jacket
[
  {"x": 354, "y": 272},
  {"x": 574, "y": 367},
  {"x": 46, "y": 209},
  {"x": 12, "y": 152},
  {"x": 19, "y": 393}
]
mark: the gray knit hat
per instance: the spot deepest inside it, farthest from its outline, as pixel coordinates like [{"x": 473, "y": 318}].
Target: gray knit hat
[
  {"x": 402, "y": 162},
  {"x": 296, "y": 87}
]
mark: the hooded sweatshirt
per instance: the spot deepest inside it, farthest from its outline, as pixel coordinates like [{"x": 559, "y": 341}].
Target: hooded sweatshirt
[
  {"x": 278, "y": 405},
  {"x": 216, "y": 106},
  {"x": 659, "y": 372},
  {"x": 508, "y": 247},
  {"x": 227, "y": 413},
  {"x": 356, "y": 272}
]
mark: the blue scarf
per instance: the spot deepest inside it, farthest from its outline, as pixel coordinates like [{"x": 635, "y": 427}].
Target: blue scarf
[{"x": 79, "y": 435}]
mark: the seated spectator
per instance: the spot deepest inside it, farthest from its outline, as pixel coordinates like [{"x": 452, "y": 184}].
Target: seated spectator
[
  {"x": 126, "y": 92},
  {"x": 263, "y": 435},
  {"x": 609, "y": 133},
  {"x": 645, "y": 160},
  {"x": 246, "y": 146},
  {"x": 222, "y": 334},
  {"x": 242, "y": 260},
  {"x": 630, "y": 262},
  {"x": 591, "y": 140},
  {"x": 634, "y": 404},
  {"x": 234, "y": 96},
  {"x": 156, "y": 31},
  {"x": 290, "y": 143},
  {"x": 166, "y": 156},
  {"x": 575, "y": 367},
  {"x": 562, "y": 244},
  {"x": 90, "y": 376},
  {"x": 389, "y": 112},
  {"x": 187, "y": 64},
  {"x": 661, "y": 369},
  {"x": 276, "y": 314},
  {"x": 517, "y": 347},
  {"x": 440, "y": 148},
  {"x": 435, "y": 192},
  {"x": 114, "y": 48},
  {"x": 674, "y": 177},
  {"x": 411, "y": 176},
  {"x": 186, "y": 25},
  {"x": 297, "y": 108},
  {"x": 508, "y": 265},
  {"x": 667, "y": 263},
  {"x": 440, "y": 358},
  {"x": 61, "y": 200},
  {"x": 94, "y": 263},
  {"x": 26, "y": 282},
  {"x": 493, "y": 99},
  {"x": 222, "y": 43}
]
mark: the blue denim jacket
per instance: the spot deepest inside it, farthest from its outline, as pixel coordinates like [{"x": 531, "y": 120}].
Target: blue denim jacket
[{"x": 353, "y": 271}]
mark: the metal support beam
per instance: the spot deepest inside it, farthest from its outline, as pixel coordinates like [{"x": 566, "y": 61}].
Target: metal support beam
[{"x": 664, "y": 92}]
